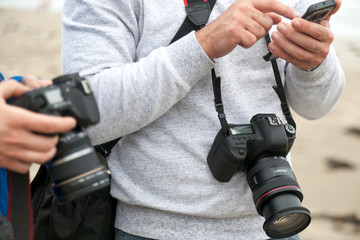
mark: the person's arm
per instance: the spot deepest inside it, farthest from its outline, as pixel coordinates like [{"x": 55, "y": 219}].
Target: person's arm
[
  {"x": 307, "y": 46},
  {"x": 100, "y": 41},
  {"x": 19, "y": 145}
]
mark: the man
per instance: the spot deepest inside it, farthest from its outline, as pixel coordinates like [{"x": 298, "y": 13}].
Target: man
[
  {"x": 20, "y": 146},
  {"x": 159, "y": 99}
]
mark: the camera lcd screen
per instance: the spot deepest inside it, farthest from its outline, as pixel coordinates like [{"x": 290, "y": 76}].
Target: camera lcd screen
[
  {"x": 54, "y": 96},
  {"x": 244, "y": 129}
]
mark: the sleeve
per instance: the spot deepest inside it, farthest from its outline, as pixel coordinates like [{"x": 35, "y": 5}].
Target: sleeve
[
  {"x": 313, "y": 94},
  {"x": 100, "y": 40}
]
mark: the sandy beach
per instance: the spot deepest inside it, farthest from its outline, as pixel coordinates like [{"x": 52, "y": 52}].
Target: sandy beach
[{"x": 326, "y": 154}]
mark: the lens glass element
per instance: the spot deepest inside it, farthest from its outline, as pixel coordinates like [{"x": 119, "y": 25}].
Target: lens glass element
[{"x": 287, "y": 223}]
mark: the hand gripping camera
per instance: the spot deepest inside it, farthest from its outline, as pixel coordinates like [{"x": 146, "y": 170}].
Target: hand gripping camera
[
  {"x": 75, "y": 170},
  {"x": 259, "y": 149}
]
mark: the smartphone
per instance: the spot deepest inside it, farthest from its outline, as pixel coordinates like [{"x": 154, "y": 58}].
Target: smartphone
[
  {"x": 318, "y": 11},
  {"x": 315, "y": 13}
]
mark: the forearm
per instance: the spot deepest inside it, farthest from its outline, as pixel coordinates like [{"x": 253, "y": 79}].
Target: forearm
[
  {"x": 133, "y": 95},
  {"x": 134, "y": 82}
]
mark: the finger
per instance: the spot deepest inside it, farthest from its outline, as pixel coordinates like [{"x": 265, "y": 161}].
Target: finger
[
  {"x": 29, "y": 156},
  {"x": 264, "y": 21},
  {"x": 317, "y": 31},
  {"x": 283, "y": 45},
  {"x": 42, "y": 123},
  {"x": 30, "y": 141},
  {"x": 301, "y": 63},
  {"x": 31, "y": 81},
  {"x": 45, "y": 83},
  {"x": 279, "y": 52},
  {"x": 13, "y": 164},
  {"x": 247, "y": 39},
  {"x": 305, "y": 41},
  {"x": 256, "y": 29},
  {"x": 34, "y": 82},
  {"x": 12, "y": 88},
  {"x": 338, "y": 5},
  {"x": 274, "y": 17},
  {"x": 292, "y": 53},
  {"x": 277, "y": 7}
]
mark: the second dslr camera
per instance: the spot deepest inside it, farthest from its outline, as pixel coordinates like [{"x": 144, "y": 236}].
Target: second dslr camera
[{"x": 75, "y": 170}]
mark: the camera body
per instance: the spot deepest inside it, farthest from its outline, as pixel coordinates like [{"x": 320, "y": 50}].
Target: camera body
[
  {"x": 237, "y": 151},
  {"x": 70, "y": 95},
  {"x": 75, "y": 170},
  {"x": 259, "y": 149}
]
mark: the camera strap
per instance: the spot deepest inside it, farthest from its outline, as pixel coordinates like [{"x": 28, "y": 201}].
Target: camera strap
[
  {"x": 218, "y": 102},
  {"x": 279, "y": 89}
]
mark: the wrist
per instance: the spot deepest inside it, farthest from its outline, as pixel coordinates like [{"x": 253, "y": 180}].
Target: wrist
[{"x": 203, "y": 40}]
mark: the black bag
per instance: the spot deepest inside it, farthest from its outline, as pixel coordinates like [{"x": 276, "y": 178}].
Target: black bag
[{"x": 88, "y": 217}]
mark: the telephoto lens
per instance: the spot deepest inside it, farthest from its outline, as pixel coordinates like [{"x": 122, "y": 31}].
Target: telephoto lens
[{"x": 277, "y": 197}]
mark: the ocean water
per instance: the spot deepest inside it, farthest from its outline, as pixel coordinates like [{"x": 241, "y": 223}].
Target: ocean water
[{"x": 344, "y": 23}]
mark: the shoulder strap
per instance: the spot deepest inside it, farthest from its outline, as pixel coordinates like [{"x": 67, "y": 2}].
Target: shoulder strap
[{"x": 198, "y": 13}]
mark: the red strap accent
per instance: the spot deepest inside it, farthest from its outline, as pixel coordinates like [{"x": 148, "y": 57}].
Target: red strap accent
[
  {"x": 186, "y": 3},
  {"x": 10, "y": 196}
]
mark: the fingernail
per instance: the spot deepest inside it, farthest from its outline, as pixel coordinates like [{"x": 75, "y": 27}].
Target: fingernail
[
  {"x": 296, "y": 15},
  {"x": 281, "y": 27},
  {"x": 297, "y": 23},
  {"x": 275, "y": 36},
  {"x": 272, "y": 47}
]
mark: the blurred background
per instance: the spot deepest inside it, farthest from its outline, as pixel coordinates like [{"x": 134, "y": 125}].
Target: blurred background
[{"x": 326, "y": 154}]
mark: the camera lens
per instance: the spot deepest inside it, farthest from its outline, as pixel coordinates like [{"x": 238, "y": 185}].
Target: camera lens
[
  {"x": 277, "y": 197},
  {"x": 285, "y": 216},
  {"x": 76, "y": 169}
]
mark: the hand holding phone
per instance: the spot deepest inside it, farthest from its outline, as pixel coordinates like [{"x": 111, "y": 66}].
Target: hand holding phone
[{"x": 315, "y": 13}]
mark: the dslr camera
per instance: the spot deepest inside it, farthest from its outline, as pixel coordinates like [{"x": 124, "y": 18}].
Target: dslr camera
[
  {"x": 75, "y": 170},
  {"x": 259, "y": 149}
]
